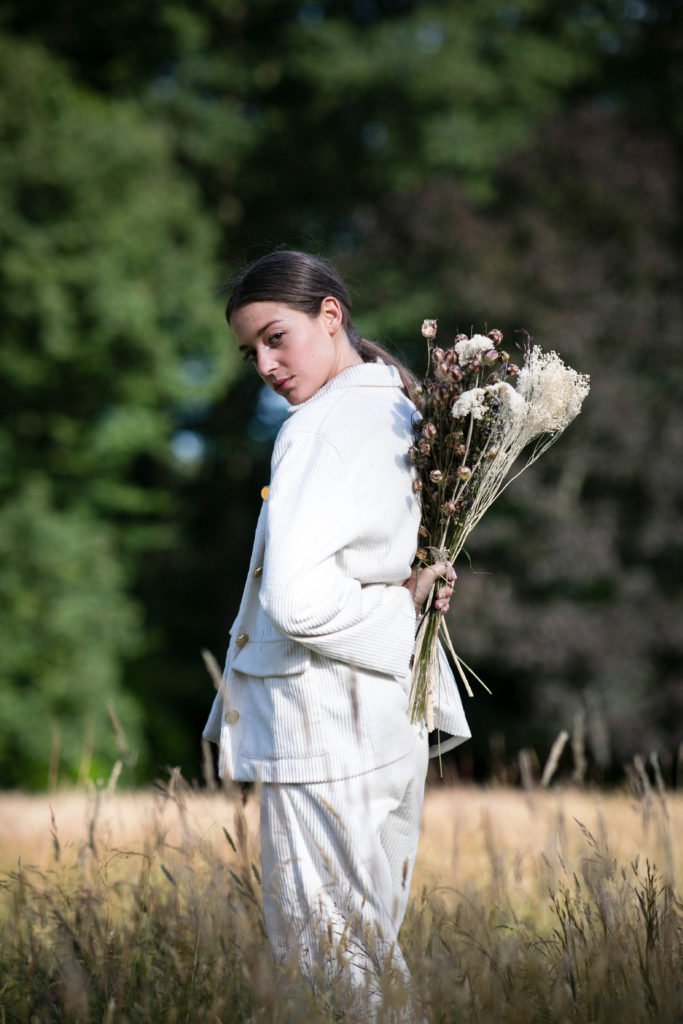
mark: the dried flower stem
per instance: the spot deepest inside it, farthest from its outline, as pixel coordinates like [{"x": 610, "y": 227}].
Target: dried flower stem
[{"x": 475, "y": 426}]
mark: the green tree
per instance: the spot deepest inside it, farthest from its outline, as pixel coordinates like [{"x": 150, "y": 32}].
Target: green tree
[
  {"x": 66, "y": 622},
  {"x": 292, "y": 113},
  {"x": 107, "y": 278}
]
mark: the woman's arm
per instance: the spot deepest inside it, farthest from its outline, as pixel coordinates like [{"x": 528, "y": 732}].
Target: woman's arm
[{"x": 312, "y": 516}]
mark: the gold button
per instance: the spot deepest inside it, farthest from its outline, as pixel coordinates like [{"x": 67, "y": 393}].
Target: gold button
[
  {"x": 257, "y": 572},
  {"x": 264, "y": 493},
  {"x": 231, "y": 716},
  {"x": 242, "y": 639}
]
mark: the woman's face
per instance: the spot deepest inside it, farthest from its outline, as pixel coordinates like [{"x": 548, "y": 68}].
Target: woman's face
[{"x": 293, "y": 352}]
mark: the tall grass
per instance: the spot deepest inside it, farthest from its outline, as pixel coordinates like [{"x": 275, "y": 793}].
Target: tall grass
[{"x": 149, "y": 911}]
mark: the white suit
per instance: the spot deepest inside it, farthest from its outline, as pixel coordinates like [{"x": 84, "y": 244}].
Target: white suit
[{"x": 318, "y": 670}]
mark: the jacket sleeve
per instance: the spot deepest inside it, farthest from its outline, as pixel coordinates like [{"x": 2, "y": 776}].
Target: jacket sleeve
[{"x": 305, "y": 592}]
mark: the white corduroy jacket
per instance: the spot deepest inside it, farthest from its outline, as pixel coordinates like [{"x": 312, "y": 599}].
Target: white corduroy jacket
[{"x": 318, "y": 674}]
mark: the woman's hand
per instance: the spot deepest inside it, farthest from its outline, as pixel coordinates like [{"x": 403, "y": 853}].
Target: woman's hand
[{"x": 421, "y": 581}]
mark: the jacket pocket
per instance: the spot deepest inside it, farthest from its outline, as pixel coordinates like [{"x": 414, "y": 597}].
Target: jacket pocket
[{"x": 271, "y": 656}]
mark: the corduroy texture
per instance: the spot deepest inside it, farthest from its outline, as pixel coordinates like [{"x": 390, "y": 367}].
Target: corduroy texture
[
  {"x": 337, "y": 860},
  {"x": 319, "y": 688}
]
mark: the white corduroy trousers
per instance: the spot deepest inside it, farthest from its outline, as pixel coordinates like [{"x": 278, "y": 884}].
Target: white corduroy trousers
[{"x": 337, "y": 860}]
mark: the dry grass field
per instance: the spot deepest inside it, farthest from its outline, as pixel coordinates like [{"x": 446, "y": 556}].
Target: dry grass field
[
  {"x": 469, "y": 836},
  {"x": 544, "y": 905}
]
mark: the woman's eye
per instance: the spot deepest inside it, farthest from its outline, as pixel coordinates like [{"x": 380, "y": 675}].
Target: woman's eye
[
  {"x": 276, "y": 338},
  {"x": 249, "y": 357}
]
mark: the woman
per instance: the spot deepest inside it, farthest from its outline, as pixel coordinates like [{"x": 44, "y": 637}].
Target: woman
[{"x": 314, "y": 701}]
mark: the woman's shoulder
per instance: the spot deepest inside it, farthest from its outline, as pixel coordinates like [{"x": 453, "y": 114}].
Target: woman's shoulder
[
  {"x": 363, "y": 407},
  {"x": 362, "y": 385}
]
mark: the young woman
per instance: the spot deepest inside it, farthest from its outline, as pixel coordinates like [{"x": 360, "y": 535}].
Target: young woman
[{"x": 314, "y": 703}]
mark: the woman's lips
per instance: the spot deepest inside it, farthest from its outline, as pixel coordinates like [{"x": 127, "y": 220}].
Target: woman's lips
[{"x": 280, "y": 384}]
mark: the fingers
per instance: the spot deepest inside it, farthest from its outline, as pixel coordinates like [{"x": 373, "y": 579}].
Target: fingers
[
  {"x": 442, "y": 598},
  {"x": 421, "y": 582},
  {"x": 426, "y": 578},
  {"x": 443, "y": 570}
]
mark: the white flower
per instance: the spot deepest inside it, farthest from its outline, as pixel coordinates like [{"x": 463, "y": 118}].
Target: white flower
[
  {"x": 429, "y": 328},
  {"x": 471, "y": 347},
  {"x": 553, "y": 392},
  {"x": 511, "y": 402},
  {"x": 470, "y": 403}
]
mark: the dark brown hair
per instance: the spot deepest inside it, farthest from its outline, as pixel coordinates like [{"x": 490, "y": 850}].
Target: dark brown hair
[{"x": 302, "y": 282}]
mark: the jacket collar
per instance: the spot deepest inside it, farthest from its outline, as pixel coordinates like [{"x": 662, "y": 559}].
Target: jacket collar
[{"x": 373, "y": 375}]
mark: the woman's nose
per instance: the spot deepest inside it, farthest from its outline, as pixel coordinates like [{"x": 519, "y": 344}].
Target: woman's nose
[{"x": 265, "y": 361}]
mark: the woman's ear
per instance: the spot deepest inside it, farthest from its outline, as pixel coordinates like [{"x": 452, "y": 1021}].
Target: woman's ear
[{"x": 331, "y": 313}]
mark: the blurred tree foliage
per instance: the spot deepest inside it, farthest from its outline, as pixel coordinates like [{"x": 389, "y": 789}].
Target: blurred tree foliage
[
  {"x": 511, "y": 163},
  {"x": 107, "y": 281}
]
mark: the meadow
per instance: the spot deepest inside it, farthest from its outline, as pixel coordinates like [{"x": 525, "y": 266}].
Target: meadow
[{"x": 538, "y": 905}]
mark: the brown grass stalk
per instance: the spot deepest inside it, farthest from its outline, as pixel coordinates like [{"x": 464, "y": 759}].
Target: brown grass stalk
[{"x": 145, "y": 907}]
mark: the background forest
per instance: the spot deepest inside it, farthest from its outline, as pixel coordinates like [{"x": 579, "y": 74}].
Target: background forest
[{"x": 515, "y": 165}]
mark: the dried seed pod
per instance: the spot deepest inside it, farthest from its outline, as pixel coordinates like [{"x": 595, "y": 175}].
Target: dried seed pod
[{"x": 464, "y": 472}]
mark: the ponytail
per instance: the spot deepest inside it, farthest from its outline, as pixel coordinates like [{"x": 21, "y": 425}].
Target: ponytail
[{"x": 371, "y": 352}]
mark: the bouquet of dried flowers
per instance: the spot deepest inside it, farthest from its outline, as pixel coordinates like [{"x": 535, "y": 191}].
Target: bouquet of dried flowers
[{"x": 478, "y": 413}]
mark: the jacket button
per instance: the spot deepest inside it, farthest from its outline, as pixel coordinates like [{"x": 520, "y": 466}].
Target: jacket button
[
  {"x": 242, "y": 639},
  {"x": 231, "y": 716},
  {"x": 257, "y": 572}
]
